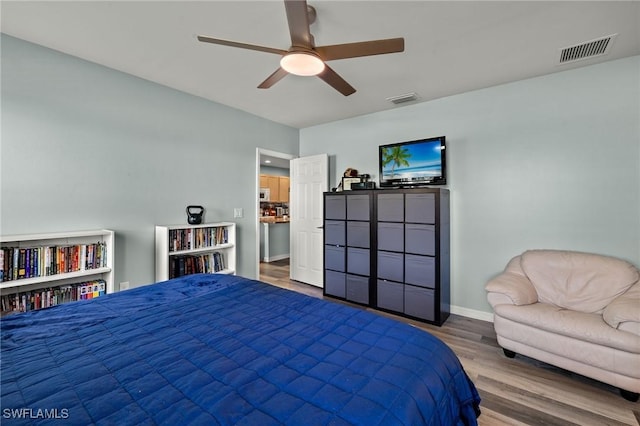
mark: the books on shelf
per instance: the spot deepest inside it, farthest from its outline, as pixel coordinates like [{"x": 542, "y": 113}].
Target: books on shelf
[
  {"x": 191, "y": 249},
  {"x": 19, "y": 262},
  {"x": 195, "y": 264},
  {"x": 196, "y": 238},
  {"x": 52, "y": 296}
]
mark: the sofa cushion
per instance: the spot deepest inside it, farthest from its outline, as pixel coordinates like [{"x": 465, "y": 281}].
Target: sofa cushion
[
  {"x": 578, "y": 281},
  {"x": 577, "y": 325}
]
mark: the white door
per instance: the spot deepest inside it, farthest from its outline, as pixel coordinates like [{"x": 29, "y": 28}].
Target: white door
[{"x": 309, "y": 179}]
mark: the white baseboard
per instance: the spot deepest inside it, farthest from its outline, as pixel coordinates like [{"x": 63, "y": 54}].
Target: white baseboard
[
  {"x": 472, "y": 313},
  {"x": 277, "y": 257}
]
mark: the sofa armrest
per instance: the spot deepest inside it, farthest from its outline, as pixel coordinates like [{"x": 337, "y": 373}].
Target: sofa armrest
[
  {"x": 624, "y": 312},
  {"x": 511, "y": 288}
]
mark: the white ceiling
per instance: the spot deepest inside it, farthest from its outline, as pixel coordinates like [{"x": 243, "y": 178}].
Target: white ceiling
[
  {"x": 450, "y": 46},
  {"x": 277, "y": 162}
]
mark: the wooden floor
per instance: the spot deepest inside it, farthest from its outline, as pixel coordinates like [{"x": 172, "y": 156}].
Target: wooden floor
[{"x": 519, "y": 391}]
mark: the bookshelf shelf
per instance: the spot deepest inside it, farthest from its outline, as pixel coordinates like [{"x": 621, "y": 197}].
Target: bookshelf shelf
[
  {"x": 200, "y": 250},
  {"x": 186, "y": 249},
  {"x": 78, "y": 275},
  {"x": 34, "y": 262}
]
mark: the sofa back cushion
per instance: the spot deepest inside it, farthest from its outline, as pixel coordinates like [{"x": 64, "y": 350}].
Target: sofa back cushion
[{"x": 578, "y": 281}]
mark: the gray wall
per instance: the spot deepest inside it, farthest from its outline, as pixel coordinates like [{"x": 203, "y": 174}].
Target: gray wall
[
  {"x": 86, "y": 147},
  {"x": 550, "y": 162},
  {"x": 275, "y": 171}
]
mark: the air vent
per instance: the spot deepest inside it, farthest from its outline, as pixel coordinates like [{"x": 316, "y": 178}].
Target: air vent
[
  {"x": 588, "y": 49},
  {"x": 407, "y": 97}
]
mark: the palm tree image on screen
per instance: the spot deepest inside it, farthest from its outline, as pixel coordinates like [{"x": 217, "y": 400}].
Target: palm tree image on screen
[{"x": 397, "y": 155}]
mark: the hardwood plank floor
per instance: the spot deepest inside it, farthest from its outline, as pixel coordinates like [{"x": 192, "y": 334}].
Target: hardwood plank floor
[{"x": 519, "y": 391}]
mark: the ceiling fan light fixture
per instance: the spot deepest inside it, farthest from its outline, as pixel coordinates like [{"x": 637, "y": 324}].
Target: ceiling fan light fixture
[{"x": 302, "y": 63}]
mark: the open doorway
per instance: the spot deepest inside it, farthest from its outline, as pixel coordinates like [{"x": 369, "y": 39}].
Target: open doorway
[{"x": 272, "y": 214}]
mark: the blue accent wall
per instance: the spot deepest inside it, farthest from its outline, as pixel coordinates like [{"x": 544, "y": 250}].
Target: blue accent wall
[
  {"x": 85, "y": 146},
  {"x": 549, "y": 162}
]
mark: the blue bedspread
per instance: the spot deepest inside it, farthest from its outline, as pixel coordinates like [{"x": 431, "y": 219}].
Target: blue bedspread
[{"x": 219, "y": 349}]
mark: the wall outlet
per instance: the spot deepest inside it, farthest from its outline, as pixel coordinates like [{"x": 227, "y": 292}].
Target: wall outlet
[
  {"x": 124, "y": 285},
  {"x": 238, "y": 212}
]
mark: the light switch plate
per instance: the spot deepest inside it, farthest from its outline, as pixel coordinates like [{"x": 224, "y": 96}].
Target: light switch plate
[{"x": 238, "y": 212}]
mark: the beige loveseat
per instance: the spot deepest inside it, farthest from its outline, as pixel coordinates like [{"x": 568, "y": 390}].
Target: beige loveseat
[{"x": 577, "y": 311}]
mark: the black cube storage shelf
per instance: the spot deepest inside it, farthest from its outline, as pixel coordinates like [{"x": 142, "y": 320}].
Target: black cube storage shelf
[{"x": 389, "y": 249}]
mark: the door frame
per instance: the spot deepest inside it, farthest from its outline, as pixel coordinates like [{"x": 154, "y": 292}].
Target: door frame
[{"x": 259, "y": 153}]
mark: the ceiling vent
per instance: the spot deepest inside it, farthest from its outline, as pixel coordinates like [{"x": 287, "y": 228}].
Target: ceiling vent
[
  {"x": 407, "y": 97},
  {"x": 589, "y": 49}
]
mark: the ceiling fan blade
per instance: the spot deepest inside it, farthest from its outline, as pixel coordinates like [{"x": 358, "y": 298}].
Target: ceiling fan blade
[
  {"x": 207, "y": 39},
  {"x": 273, "y": 78},
  {"x": 334, "y": 80},
  {"x": 298, "y": 19},
  {"x": 363, "y": 48}
]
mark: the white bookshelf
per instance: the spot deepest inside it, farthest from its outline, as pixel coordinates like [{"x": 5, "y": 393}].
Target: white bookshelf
[
  {"x": 42, "y": 278},
  {"x": 175, "y": 243}
]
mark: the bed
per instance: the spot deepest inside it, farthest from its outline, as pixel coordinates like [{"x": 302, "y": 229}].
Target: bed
[{"x": 221, "y": 349}]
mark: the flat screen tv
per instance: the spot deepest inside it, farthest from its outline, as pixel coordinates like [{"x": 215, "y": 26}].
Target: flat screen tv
[{"x": 413, "y": 163}]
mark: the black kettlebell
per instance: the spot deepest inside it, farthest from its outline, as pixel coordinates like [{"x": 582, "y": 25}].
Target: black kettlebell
[{"x": 194, "y": 215}]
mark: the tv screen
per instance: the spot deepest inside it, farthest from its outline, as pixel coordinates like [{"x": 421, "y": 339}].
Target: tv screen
[{"x": 413, "y": 163}]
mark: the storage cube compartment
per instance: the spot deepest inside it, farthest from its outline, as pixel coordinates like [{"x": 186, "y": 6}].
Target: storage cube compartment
[
  {"x": 390, "y": 236},
  {"x": 335, "y": 283},
  {"x": 420, "y": 270},
  {"x": 419, "y": 302},
  {"x": 358, "y": 261},
  {"x": 391, "y": 207},
  {"x": 420, "y": 208},
  {"x": 390, "y": 295},
  {"x": 420, "y": 239},
  {"x": 334, "y": 232},
  {"x": 335, "y": 207},
  {"x": 358, "y": 234},
  {"x": 390, "y": 266},
  {"x": 358, "y": 207},
  {"x": 334, "y": 258},
  {"x": 357, "y": 288}
]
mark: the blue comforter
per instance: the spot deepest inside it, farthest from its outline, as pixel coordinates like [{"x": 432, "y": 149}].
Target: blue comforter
[{"x": 219, "y": 349}]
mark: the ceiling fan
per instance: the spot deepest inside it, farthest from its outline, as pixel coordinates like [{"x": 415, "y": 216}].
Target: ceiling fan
[{"x": 304, "y": 58}]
